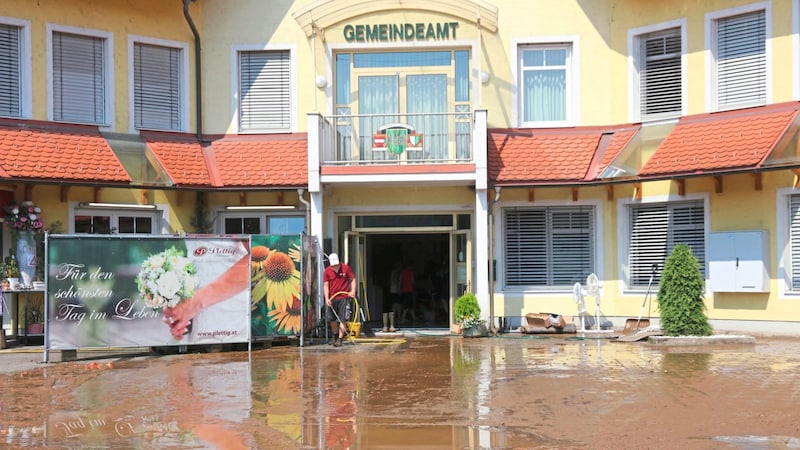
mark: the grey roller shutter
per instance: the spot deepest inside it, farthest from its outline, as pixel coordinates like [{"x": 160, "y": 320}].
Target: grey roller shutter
[
  {"x": 79, "y": 86},
  {"x": 156, "y": 87},
  {"x": 741, "y": 60},
  {"x": 656, "y": 229},
  {"x": 264, "y": 83},
  {"x": 552, "y": 247},
  {"x": 794, "y": 231},
  {"x": 660, "y": 76},
  {"x": 10, "y": 71}
]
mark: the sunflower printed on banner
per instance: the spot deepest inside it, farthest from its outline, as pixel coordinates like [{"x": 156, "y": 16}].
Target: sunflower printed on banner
[{"x": 275, "y": 285}]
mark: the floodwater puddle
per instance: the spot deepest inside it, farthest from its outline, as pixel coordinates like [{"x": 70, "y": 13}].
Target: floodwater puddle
[{"x": 431, "y": 392}]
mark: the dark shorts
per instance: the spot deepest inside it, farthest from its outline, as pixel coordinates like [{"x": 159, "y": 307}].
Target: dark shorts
[{"x": 343, "y": 308}]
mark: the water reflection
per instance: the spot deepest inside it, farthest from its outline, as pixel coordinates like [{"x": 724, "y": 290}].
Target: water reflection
[
  {"x": 683, "y": 365},
  {"x": 177, "y": 403},
  {"x": 32, "y": 436}
]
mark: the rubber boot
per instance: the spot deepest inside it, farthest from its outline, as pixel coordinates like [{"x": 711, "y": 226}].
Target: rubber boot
[
  {"x": 391, "y": 322},
  {"x": 385, "y": 322}
]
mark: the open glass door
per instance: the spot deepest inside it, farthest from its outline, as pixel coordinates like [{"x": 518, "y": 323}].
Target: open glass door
[
  {"x": 354, "y": 255},
  {"x": 460, "y": 269}
]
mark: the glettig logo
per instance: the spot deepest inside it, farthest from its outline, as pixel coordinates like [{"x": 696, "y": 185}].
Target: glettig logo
[{"x": 201, "y": 251}]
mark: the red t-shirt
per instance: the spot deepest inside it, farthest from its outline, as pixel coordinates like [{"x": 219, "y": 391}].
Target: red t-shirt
[
  {"x": 338, "y": 280},
  {"x": 407, "y": 280}
]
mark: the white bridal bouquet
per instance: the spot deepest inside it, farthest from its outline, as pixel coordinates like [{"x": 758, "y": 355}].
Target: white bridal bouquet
[{"x": 166, "y": 279}]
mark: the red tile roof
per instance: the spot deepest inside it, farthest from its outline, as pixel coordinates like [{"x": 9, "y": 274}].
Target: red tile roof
[
  {"x": 42, "y": 151},
  {"x": 269, "y": 161},
  {"x": 182, "y": 157},
  {"x": 703, "y": 144},
  {"x": 718, "y": 142},
  {"x": 520, "y": 156}
]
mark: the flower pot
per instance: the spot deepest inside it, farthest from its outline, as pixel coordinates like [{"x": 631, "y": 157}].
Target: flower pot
[{"x": 13, "y": 282}]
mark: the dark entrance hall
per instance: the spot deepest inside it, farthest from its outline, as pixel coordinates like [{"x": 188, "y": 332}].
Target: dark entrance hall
[{"x": 426, "y": 254}]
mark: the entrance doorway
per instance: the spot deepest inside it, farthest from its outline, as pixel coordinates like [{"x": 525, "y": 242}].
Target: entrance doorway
[
  {"x": 427, "y": 255},
  {"x": 436, "y": 247}
]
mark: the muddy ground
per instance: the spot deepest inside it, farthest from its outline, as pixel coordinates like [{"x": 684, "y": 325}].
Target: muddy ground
[{"x": 415, "y": 392}]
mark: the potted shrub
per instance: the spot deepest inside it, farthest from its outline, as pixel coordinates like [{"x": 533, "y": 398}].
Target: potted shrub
[
  {"x": 468, "y": 315},
  {"x": 11, "y": 271}
]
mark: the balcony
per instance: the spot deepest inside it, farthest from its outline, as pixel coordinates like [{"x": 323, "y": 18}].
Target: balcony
[{"x": 398, "y": 139}]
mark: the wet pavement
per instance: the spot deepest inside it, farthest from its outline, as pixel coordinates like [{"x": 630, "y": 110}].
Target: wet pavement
[{"x": 415, "y": 392}]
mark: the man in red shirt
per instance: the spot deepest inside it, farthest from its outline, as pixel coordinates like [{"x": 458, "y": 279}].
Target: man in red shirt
[
  {"x": 409, "y": 298},
  {"x": 339, "y": 287}
]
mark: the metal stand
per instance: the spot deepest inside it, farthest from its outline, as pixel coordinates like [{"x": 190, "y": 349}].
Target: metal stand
[
  {"x": 593, "y": 288},
  {"x": 577, "y": 292}
]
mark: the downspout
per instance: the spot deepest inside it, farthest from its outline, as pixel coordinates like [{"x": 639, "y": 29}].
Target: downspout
[
  {"x": 198, "y": 77},
  {"x": 318, "y": 303},
  {"x": 492, "y": 329},
  {"x": 300, "y": 193}
]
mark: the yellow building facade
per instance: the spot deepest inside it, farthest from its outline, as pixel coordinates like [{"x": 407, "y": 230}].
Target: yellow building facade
[{"x": 504, "y": 148}]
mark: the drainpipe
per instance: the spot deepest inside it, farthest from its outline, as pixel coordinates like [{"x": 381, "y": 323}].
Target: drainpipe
[
  {"x": 300, "y": 193},
  {"x": 319, "y": 301},
  {"x": 493, "y": 330},
  {"x": 198, "y": 83}
]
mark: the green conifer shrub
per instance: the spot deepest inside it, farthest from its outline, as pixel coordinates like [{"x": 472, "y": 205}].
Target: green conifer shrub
[
  {"x": 467, "y": 310},
  {"x": 680, "y": 295}
]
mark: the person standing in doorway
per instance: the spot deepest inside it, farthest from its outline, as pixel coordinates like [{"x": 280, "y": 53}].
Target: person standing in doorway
[
  {"x": 397, "y": 297},
  {"x": 407, "y": 286},
  {"x": 339, "y": 287}
]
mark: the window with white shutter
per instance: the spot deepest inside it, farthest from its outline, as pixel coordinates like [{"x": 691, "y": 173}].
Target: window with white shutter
[
  {"x": 265, "y": 91},
  {"x": 794, "y": 241},
  {"x": 655, "y": 230},
  {"x": 157, "y": 74},
  {"x": 10, "y": 71},
  {"x": 548, "y": 247},
  {"x": 79, "y": 82},
  {"x": 740, "y": 60},
  {"x": 660, "y": 74}
]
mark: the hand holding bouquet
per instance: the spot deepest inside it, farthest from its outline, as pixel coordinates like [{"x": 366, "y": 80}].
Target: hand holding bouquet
[{"x": 167, "y": 279}]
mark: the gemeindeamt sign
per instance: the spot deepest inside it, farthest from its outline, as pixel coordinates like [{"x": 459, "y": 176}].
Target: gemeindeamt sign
[{"x": 389, "y": 32}]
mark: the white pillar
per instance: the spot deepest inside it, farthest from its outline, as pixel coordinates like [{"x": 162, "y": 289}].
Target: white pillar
[
  {"x": 315, "y": 124},
  {"x": 480, "y": 237},
  {"x": 481, "y": 245}
]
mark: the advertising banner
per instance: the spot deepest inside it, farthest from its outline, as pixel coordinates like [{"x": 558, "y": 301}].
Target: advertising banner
[
  {"x": 277, "y": 299},
  {"x": 125, "y": 291}
]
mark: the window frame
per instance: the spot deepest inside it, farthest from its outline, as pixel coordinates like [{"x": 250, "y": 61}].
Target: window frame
[
  {"x": 635, "y": 63},
  {"x": 108, "y": 70},
  {"x": 795, "y": 45},
  {"x": 25, "y": 89},
  {"x": 183, "y": 80},
  {"x": 625, "y": 209},
  {"x": 571, "y": 78},
  {"x": 783, "y": 241},
  {"x": 500, "y": 232},
  {"x": 114, "y": 214},
  {"x": 712, "y": 49},
  {"x": 262, "y": 216},
  {"x": 236, "y": 100}
]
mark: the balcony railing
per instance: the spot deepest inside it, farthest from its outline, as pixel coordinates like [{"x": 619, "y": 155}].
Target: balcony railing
[{"x": 429, "y": 138}]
